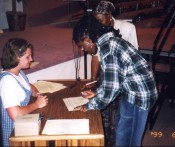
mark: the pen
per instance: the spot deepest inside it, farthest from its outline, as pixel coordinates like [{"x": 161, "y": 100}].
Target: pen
[{"x": 91, "y": 83}]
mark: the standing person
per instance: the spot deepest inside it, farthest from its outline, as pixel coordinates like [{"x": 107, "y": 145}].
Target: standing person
[
  {"x": 15, "y": 90},
  {"x": 103, "y": 13},
  {"x": 125, "y": 72}
]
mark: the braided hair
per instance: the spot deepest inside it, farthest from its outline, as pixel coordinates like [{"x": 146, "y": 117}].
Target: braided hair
[{"x": 88, "y": 26}]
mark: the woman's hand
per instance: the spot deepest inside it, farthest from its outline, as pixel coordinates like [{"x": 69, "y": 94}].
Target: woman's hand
[
  {"x": 88, "y": 94},
  {"x": 41, "y": 100},
  {"x": 34, "y": 90}
]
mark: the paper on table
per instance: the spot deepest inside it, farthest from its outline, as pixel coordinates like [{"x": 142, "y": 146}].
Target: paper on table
[
  {"x": 73, "y": 102},
  {"x": 66, "y": 126},
  {"x": 45, "y": 86},
  {"x": 33, "y": 64}
]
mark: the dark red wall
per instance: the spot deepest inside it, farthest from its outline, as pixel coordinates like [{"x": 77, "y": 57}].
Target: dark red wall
[{"x": 48, "y": 11}]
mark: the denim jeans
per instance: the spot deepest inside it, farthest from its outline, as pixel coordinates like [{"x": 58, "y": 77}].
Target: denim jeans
[{"x": 130, "y": 124}]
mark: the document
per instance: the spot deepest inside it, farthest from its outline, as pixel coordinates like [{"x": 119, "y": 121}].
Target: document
[
  {"x": 73, "y": 102},
  {"x": 33, "y": 64},
  {"x": 46, "y": 86},
  {"x": 66, "y": 126}
]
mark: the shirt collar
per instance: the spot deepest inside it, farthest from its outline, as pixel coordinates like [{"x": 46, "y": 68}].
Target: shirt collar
[{"x": 105, "y": 38}]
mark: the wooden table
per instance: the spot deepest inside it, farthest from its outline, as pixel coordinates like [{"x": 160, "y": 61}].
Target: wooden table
[{"x": 56, "y": 109}]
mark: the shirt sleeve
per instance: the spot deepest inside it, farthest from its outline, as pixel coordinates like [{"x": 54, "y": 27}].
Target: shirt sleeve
[
  {"x": 127, "y": 30},
  {"x": 109, "y": 89},
  {"x": 9, "y": 94},
  {"x": 133, "y": 37}
]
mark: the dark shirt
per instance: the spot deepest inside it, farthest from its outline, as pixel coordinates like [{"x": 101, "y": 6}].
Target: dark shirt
[{"x": 126, "y": 72}]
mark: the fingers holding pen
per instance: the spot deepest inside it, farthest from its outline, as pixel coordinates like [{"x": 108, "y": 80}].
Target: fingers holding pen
[{"x": 88, "y": 94}]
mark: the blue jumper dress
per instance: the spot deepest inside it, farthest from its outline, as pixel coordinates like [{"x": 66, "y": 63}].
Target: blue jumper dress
[{"x": 7, "y": 124}]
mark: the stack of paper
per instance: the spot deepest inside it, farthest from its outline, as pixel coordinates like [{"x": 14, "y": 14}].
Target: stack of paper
[
  {"x": 66, "y": 126},
  {"x": 73, "y": 102},
  {"x": 46, "y": 86}
]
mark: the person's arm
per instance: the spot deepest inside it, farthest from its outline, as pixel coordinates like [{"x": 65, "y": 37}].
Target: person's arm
[
  {"x": 40, "y": 102},
  {"x": 109, "y": 88},
  {"x": 11, "y": 98},
  {"x": 94, "y": 68},
  {"x": 133, "y": 38},
  {"x": 34, "y": 90},
  {"x": 94, "y": 73}
]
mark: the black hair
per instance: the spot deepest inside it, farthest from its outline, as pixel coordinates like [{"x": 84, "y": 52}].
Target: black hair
[
  {"x": 89, "y": 26},
  {"x": 104, "y": 7},
  {"x": 13, "y": 49}
]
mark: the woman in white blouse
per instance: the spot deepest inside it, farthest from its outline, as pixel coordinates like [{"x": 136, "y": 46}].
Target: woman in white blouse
[{"x": 15, "y": 89}]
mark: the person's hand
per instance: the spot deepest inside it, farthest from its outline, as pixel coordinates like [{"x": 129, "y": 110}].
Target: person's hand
[
  {"x": 81, "y": 108},
  {"x": 88, "y": 94},
  {"x": 41, "y": 100}
]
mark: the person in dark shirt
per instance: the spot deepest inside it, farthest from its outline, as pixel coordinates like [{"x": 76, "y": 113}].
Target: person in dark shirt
[{"x": 125, "y": 72}]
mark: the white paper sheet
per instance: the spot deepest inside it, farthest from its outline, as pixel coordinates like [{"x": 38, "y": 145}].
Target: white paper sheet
[
  {"x": 46, "y": 86},
  {"x": 73, "y": 102},
  {"x": 66, "y": 126}
]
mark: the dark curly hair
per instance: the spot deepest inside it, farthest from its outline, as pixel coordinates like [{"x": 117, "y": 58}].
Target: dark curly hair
[
  {"x": 12, "y": 50},
  {"x": 89, "y": 26}
]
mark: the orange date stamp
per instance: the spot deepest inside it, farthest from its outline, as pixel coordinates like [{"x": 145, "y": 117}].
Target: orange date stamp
[{"x": 159, "y": 134}]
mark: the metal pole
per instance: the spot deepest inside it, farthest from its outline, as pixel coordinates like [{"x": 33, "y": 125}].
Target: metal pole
[{"x": 85, "y": 65}]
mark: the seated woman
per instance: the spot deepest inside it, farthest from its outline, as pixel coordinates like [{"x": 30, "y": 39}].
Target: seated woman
[{"x": 15, "y": 89}]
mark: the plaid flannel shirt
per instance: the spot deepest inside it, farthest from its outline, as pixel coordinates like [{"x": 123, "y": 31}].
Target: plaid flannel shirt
[{"x": 125, "y": 71}]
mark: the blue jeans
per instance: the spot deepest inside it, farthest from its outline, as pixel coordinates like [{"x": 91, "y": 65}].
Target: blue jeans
[{"x": 130, "y": 124}]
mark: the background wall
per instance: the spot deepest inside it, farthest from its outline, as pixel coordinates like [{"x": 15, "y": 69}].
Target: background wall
[
  {"x": 52, "y": 11},
  {"x": 5, "y": 5}
]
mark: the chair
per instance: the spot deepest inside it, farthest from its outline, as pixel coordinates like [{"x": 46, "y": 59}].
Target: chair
[{"x": 163, "y": 68}]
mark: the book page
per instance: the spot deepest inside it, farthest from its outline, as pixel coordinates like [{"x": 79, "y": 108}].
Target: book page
[
  {"x": 45, "y": 86},
  {"x": 66, "y": 126},
  {"x": 73, "y": 102}
]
